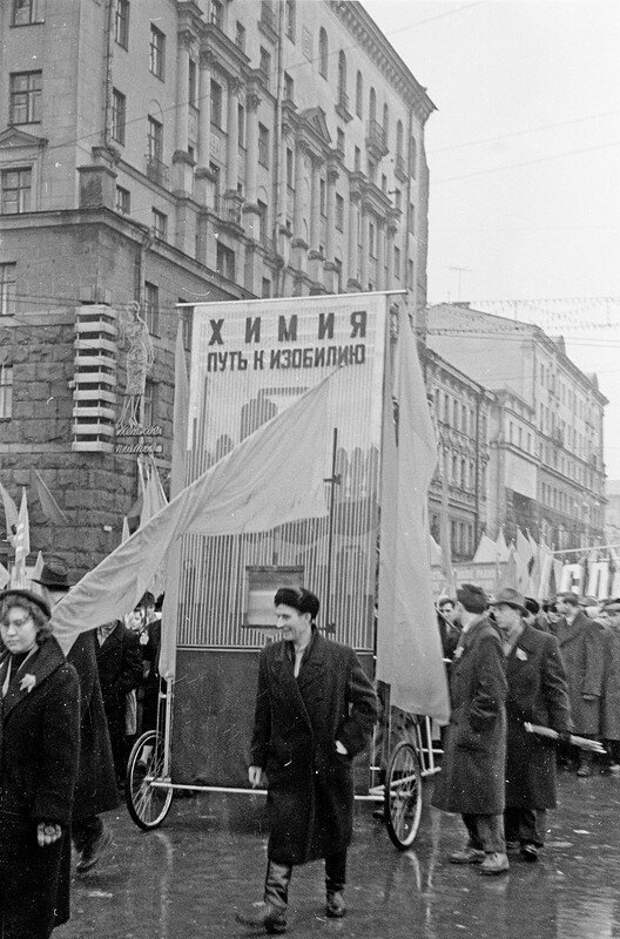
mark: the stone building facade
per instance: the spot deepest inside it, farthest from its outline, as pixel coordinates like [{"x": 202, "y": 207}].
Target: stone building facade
[
  {"x": 546, "y": 469},
  {"x": 461, "y": 409},
  {"x": 179, "y": 151}
]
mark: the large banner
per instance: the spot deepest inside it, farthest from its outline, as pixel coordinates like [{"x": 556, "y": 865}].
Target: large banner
[{"x": 250, "y": 361}]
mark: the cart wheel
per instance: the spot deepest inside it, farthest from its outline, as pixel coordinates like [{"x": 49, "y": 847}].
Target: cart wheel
[
  {"x": 148, "y": 805},
  {"x": 403, "y": 795}
]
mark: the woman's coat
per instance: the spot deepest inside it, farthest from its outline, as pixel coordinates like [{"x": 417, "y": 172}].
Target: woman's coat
[
  {"x": 297, "y": 723},
  {"x": 537, "y": 693},
  {"x": 39, "y": 746},
  {"x": 471, "y": 780}
]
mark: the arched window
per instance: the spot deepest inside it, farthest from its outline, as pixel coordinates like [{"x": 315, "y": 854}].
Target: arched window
[
  {"x": 399, "y": 138},
  {"x": 359, "y": 92},
  {"x": 413, "y": 157},
  {"x": 323, "y": 52},
  {"x": 372, "y": 105},
  {"x": 342, "y": 77},
  {"x": 386, "y": 120}
]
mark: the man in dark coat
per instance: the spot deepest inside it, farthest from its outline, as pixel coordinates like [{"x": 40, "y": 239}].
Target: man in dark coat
[
  {"x": 610, "y": 723},
  {"x": 119, "y": 664},
  {"x": 96, "y": 790},
  {"x": 537, "y": 693},
  {"x": 315, "y": 709},
  {"x": 582, "y": 645},
  {"x": 472, "y": 774}
]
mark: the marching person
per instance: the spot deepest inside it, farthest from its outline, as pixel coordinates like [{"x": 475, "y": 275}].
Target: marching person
[
  {"x": 96, "y": 790},
  {"x": 39, "y": 748},
  {"x": 610, "y": 724},
  {"x": 471, "y": 781},
  {"x": 582, "y": 643},
  {"x": 315, "y": 709},
  {"x": 537, "y": 693},
  {"x": 119, "y": 665}
]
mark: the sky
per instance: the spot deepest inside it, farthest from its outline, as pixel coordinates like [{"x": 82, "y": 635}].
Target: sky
[{"x": 524, "y": 153}]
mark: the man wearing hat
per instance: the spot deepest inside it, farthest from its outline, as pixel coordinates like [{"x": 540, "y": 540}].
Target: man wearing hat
[
  {"x": 537, "y": 693},
  {"x": 471, "y": 781},
  {"x": 582, "y": 647},
  {"x": 96, "y": 790}
]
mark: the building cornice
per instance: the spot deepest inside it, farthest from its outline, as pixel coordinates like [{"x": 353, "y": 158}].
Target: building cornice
[{"x": 367, "y": 34}]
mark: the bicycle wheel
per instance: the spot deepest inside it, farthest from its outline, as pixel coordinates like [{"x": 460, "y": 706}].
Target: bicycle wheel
[
  {"x": 403, "y": 795},
  {"x": 148, "y": 805}
]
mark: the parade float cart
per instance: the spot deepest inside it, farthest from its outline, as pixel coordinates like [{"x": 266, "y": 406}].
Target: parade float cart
[{"x": 362, "y": 545}]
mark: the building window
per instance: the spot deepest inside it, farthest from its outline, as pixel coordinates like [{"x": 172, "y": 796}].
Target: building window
[
  {"x": 25, "y": 12},
  {"x": 160, "y": 225},
  {"x": 372, "y": 105},
  {"x": 7, "y": 289},
  {"x": 290, "y": 179},
  {"x": 216, "y": 103},
  {"x": 413, "y": 157},
  {"x": 322, "y": 197},
  {"x": 25, "y": 98},
  {"x": 157, "y": 52},
  {"x": 121, "y": 23},
  {"x": 216, "y": 14},
  {"x": 359, "y": 93},
  {"x": 371, "y": 239},
  {"x": 266, "y": 288},
  {"x": 338, "y": 266},
  {"x": 386, "y": 120},
  {"x": 240, "y": 36},
  {"x": 225, "y": 261},
  {"x": 214, "y": 170},
  {"x": 265, "y": 65},
  {"x": 411, "y": 219},
  {"x": 16, "y": 190},
  {"x": 289, "y": 88},
  {"x": 410, "y": 273},
  {"x": 6, "y": 390},
  {"x": 340, "y": 141},
  {"x": 263, "y": 235},
  {"x": 396, "y": 262},
  {"x": 187, "y": 322},
  {"x": 339, "y": 212},
  {"x": 193, "y": 83},
  {"x": 357, "y": 160},
  {"x": 151, "y": 307},
  {"x": 289, "y": 19},
  {"x": 241, "y": 126},
  {"x": 263, "y": 145},
  {"x": 123, "y": 200},
  {"x": 399, "y": 138},
  {"x": 323, "y": 52},
  {"x": 155, "y": 140},
  {"x": 119, "y": 112},
  {"x": 398, "y": 199},
  {"x": 342, "y": 79}
]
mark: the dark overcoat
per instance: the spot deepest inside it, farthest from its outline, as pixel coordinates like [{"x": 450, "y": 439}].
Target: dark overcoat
[
  {"x": 582, "y": 645},
  {"x": 39, "y": 746},
  {"x": 119, "y": 663},
  {"x": 96, "y": 790},
  {"x": 297, "y": 723},
  {"x": 537, "y": 692},
  {"x": 610, "y": 717},
  {"x": 471, "y": 780}
]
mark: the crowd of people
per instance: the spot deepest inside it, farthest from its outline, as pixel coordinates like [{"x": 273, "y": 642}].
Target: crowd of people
[
  {"x": 531, "y": 687},
  {"x": 514, "y": 663},
  {"x": 64, "y": 750}
]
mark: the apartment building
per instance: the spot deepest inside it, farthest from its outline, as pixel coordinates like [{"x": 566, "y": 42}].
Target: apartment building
[
  {"x": 159, "y": 152},
  {"x": 546, "y": 468}
]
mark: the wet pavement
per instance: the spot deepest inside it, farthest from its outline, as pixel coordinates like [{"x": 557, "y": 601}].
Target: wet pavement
[{"x": 186, "y": 879}]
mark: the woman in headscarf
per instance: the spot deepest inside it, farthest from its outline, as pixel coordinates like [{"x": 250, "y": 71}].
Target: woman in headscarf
[{"x": 39, "y": 746}]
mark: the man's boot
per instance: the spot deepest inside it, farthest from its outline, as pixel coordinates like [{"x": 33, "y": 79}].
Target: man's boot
[
  {"x": 270, "y": 914},
  {"x": 335, "y": 907}
]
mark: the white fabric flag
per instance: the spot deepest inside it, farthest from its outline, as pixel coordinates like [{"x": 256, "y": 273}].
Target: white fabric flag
[
  {"x": 409, "y": 655},
  {"x": 252, "y": 489}
]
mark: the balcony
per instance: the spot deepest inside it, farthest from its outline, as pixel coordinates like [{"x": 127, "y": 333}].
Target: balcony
[
  {"x": 156, "y": 171},
  {"x": 400, "y": 168},
  {"x": 376, "y": 144},
  {"x": 342, "y": 106}
]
